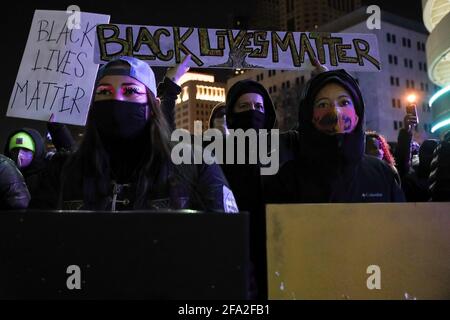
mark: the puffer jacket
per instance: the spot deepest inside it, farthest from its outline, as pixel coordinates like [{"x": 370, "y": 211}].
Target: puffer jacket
[{"x": 13, "y": 190}]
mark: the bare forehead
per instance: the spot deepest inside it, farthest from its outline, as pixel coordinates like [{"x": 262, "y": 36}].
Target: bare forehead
[
  {"x": 250, "y": 97},
  {"x": 332, "y": 90},
  {"x": 118, "y": 80}
]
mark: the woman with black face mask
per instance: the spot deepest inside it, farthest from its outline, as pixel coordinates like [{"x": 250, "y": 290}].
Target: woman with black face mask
[
  {"x": 124, "y": 161},
  {"x": 249, "y": 106}
]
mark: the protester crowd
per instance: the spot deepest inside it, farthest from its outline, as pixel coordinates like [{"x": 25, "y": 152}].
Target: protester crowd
[{"x": 124, "y": 163}]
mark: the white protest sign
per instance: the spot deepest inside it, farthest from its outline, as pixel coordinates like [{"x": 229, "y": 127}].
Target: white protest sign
[
  {"x": 224, "y": 48},
  {"x": 57, "y": 73}
]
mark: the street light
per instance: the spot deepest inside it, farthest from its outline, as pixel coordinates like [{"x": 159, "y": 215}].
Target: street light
[{"x": 412, "y": 98}]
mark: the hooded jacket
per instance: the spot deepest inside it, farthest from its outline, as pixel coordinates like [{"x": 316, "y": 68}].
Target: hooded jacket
[
  {"x": 247, "y": 183},
  {"x": 247, "y": 86},
  {"x": 13, "y": 190},
  {"x": 39, "y": 155},
  {"x": 332, "y": 168}
]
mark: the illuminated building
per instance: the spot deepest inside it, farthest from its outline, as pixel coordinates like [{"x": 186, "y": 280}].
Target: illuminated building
[
  {"x": 436, "y": 17},
  {"x": 199, "y": 94}
]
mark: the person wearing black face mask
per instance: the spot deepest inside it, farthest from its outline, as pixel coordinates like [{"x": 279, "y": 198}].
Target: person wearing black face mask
[
  {"x": 124, "y": 161},
  {"x": 249, "y": 106}
]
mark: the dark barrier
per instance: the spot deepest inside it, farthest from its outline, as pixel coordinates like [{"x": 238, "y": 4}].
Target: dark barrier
[{"x": 123, "y": 255}]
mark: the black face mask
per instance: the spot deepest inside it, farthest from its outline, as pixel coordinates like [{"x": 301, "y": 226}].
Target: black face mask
[
  {"x": 119, "y": 119},
  {"x": 250, "y": 119}
]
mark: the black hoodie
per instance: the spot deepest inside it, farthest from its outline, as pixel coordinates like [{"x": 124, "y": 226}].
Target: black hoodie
[
  {"x": 247, "y": 86},
  {"x": 332, "y": 168},
  {"x": 39, "y": 155},
  {"x": 246, "y": 182}
]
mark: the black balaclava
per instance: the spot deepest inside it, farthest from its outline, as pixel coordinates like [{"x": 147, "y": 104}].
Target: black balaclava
[
  {"x": 252, "y": 118},
  {"x": 331, "y": 151}
]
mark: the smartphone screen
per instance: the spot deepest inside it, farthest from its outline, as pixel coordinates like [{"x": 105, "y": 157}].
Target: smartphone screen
[{"x": 411, "y": 109}]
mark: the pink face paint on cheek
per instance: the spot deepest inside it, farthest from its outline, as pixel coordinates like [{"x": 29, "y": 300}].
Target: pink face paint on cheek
[{"x": 346, "y": 120}]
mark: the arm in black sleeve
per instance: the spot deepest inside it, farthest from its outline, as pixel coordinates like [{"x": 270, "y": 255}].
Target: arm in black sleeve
[
  {"x": 403, "y": 152},
  {"x": 168, "y": 92},
  {"x": 61, "y": 136},
  {"x": 46, "y": 195},
  {"x": 13, "y": 190},
  {"x": 214, "y": 190}
]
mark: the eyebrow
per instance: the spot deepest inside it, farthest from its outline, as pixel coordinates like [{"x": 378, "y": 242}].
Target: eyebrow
[
  {"x": 318, "y": 100},
  {"x": 123, "y": 84},
  {"x": 130, "y": 84}
]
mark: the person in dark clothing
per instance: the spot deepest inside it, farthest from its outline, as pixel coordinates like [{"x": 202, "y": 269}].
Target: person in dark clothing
[
  {"x": 249, "y": 106},
  {"x": 124, "y": 161},
  {"x": 332, "y": 166},
  {"x": 416, "y": 184},
  {"x": 440, "y": 171},
  {"x": 403, "y": 151},
  {"x": 377, "y": 146},
  {"x": 26, "y": 147},
  {"x": 13, "y": 190}
]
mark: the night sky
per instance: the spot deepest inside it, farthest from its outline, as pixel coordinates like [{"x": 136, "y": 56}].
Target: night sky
[{"x": 17, "y": 18}]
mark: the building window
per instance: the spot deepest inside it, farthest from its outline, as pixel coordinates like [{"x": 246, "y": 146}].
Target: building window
[
  {"x": 297, "y": 81},
  {"x": 282, "y": 85},
  {"x": 412, "y": 84},
  {"x": 395, "y": 60},
  {"x": 390, "y": 59},
  {"x": 288, "y": 84},
  {"x": 423, "y": 47},
  {"x": 409, "y": 43},
  {"x": 407, "y": 84},
  {"x": 400, "y": 124},
  {"x": 399, "y": 103},
  {"x": 270, "y": 90},
  {"x": 395, "y": 125},
  {"x": 411, "y": 64},
  {"x": 302, "y": 79},
  {"x": 392, "y": 81},
  {"x": 397, "y": 82},
  {"x": 257, "y": 77},
  {"x": 393, "y": 39},
  {"x": 404, "y": 42},
  {"x": 405, "y": 62},
  {"x": 393, "y": 103},
  {"x": 274, "y": 88},
  {"x": 420, "y": 66},
  {"x": 388, "y": 35}
]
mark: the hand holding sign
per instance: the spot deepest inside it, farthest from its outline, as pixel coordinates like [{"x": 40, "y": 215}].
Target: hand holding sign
[
  {"x": 318, "y": 68},
  {"x": 179, "y": 70}
]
